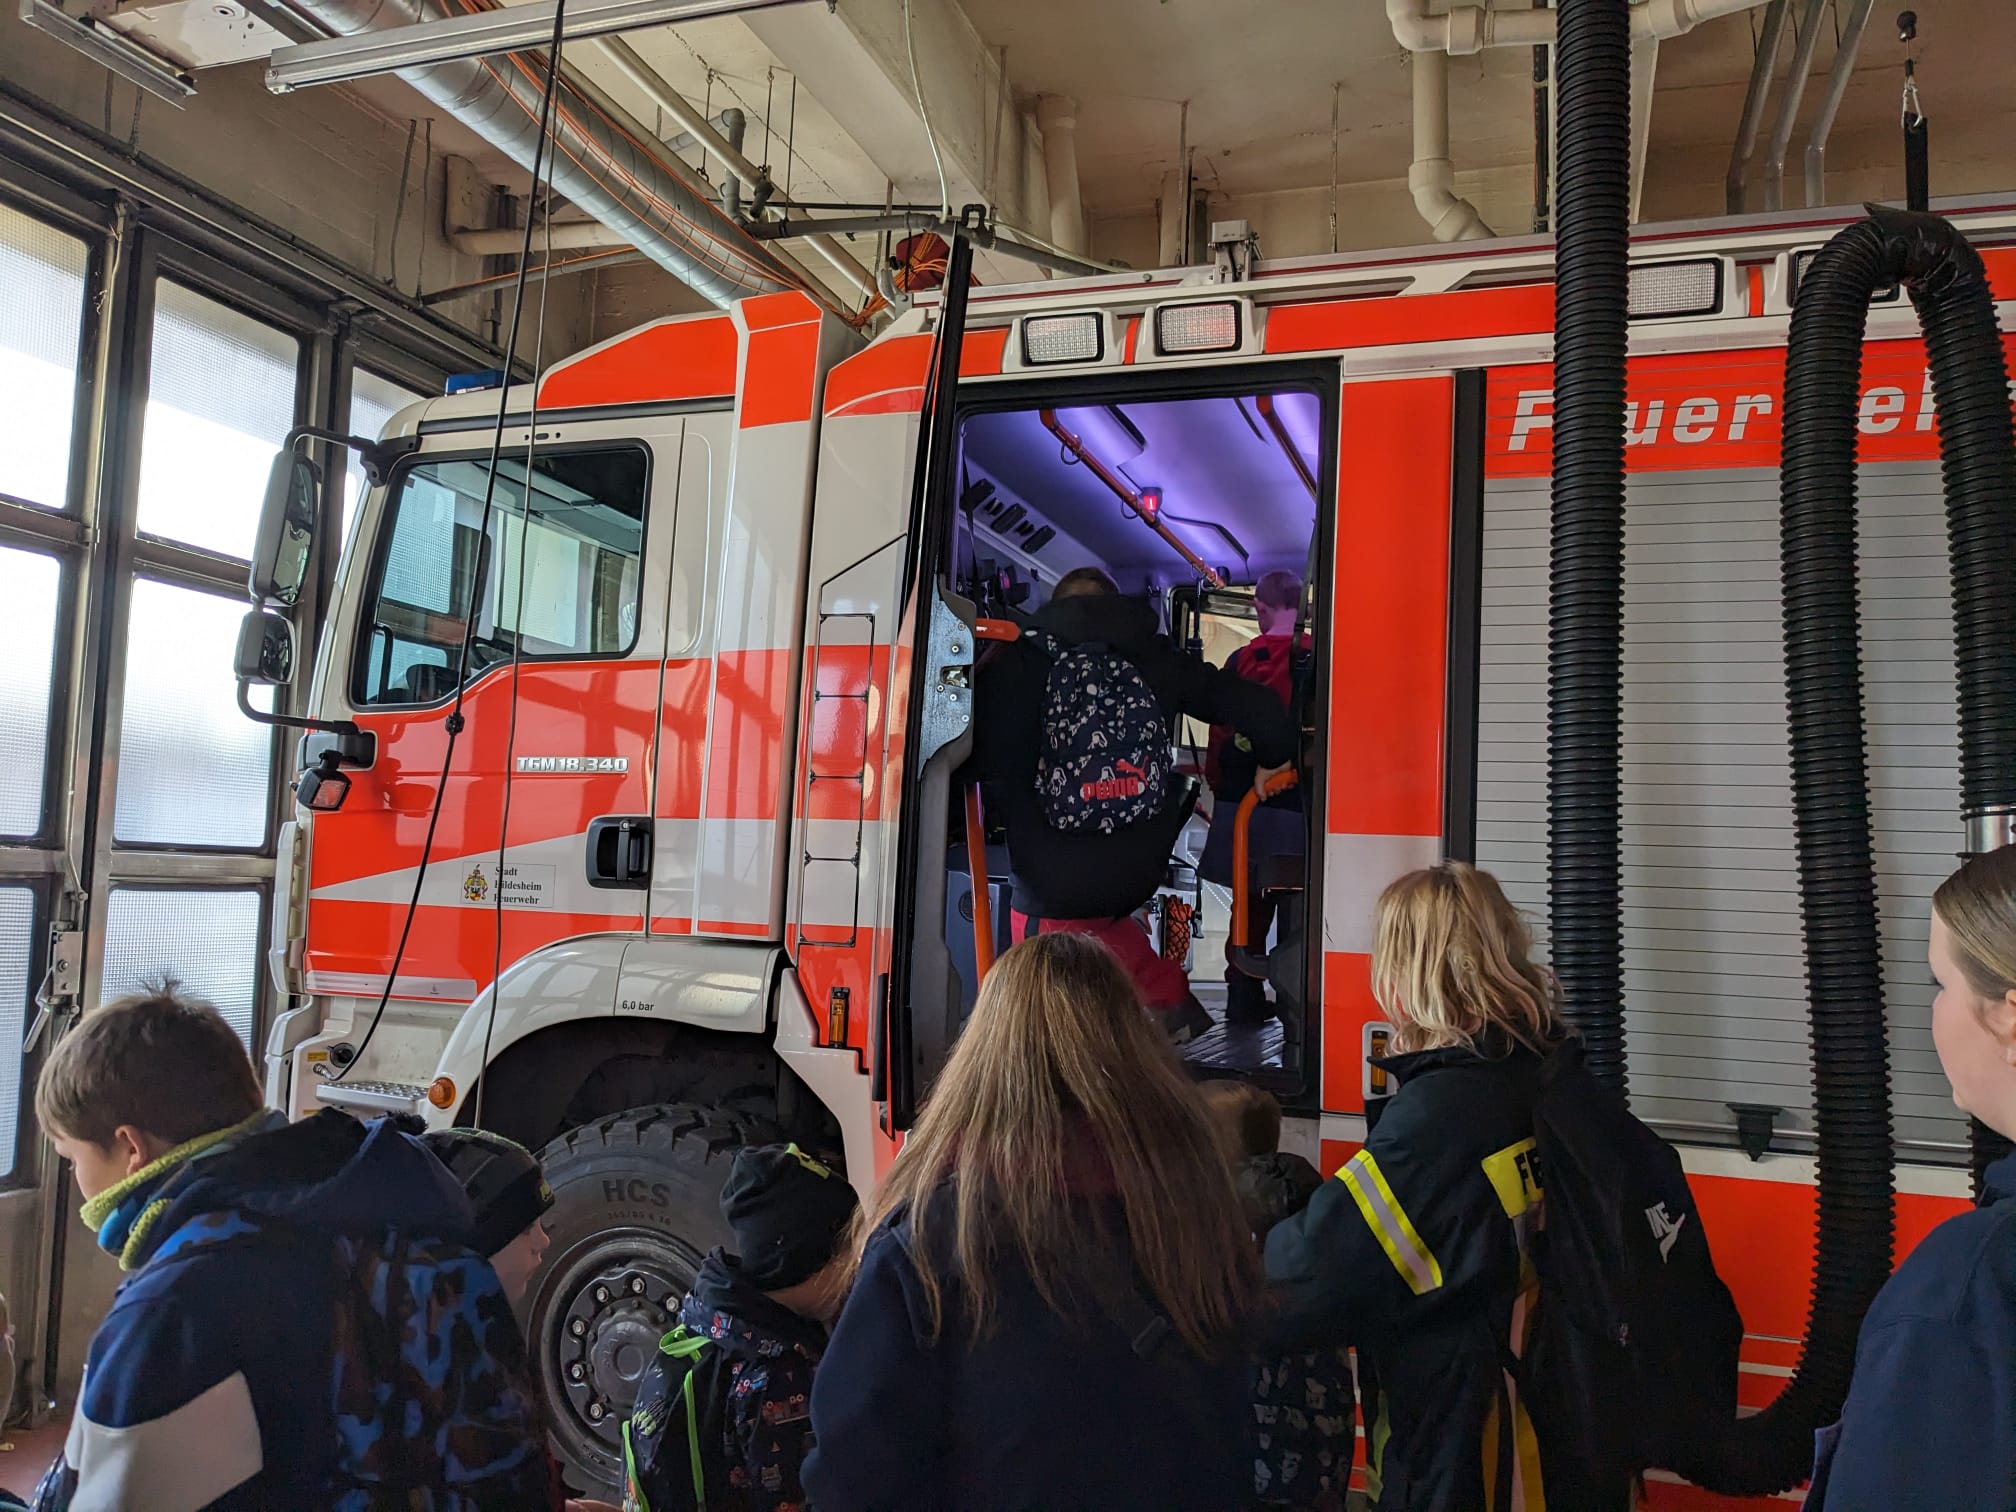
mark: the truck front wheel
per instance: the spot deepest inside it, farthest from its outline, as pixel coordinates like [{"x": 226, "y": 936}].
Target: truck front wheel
[{"x": 636, "y": 1207}]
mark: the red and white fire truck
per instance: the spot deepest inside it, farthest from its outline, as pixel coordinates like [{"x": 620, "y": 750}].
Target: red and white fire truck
[{"x": 694, "y": 864}]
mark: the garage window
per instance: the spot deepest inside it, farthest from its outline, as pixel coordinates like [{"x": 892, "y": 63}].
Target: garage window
[
  {"x": 193, "y": 770},
  {"x": 220, "y": 401},
  {"x": 204, "y": 940},
  {"x": 373, "y": 403},
  {"x": 41, "y": 323}
]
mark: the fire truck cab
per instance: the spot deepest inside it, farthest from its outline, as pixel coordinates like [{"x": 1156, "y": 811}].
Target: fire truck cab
[{"x": 684, "y": 860}]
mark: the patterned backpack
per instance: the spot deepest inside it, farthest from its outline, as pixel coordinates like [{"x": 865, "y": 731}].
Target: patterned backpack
[
  {"x": 671, "y": 1452},
  {"x": 1105, "y": 756},
  {"x": 429, "y": 1384}
]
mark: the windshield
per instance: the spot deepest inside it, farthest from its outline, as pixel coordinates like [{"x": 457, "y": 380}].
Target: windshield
[{"x": 560, "y": 583}]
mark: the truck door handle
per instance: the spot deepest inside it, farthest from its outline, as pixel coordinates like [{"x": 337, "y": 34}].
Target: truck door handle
[{"x": 619, "y": 851}]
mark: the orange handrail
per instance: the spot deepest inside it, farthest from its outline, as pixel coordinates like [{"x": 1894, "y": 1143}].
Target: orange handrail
[
  {"x": 1128, "y": 496},
  {"x": 983, "y": 902},
  {"x": 997, "y": 630},
  {"x": 1265, "y": 404},
  {"x": 1280, "y": 782}
]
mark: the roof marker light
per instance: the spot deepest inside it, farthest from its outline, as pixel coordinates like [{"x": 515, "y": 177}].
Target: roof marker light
[
  {"x": 1670, "y": 289},
  {"x": 1212, "y": 326},
  {"x": 1048, "y": 339}
]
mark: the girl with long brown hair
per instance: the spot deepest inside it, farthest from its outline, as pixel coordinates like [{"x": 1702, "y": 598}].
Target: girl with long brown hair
[{"x": 1052, "y": 1281}]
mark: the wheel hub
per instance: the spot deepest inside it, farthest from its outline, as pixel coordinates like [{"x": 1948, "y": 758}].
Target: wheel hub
[{"x": 603, "y": 1319}]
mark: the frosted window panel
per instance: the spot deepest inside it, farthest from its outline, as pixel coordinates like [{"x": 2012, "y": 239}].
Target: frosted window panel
[
  {"x": 220, "y": 401},
  {"x": 28, "y": 584},
  {"x": 208, "y": 942},
  {"x": 373, "y": 403},
  {"x": 17, "y": 939},
  {"x": 193, "y": 770},
  {"x": 41, "y": 324}
]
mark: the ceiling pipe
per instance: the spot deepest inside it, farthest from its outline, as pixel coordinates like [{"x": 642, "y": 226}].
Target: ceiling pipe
[
  {"x": 623, "y": 57},
  {"x": 686, "y": 139},
  {"x": 1838, "y": 78},
  {"x": 561, "y": 236},
  {"x": 1763, "y": 69},
  {"x": 1788, "y": 106},
  {"x": 1644, "y": 69},
  {"x": 1466, "y": 29},
  {"x": 1148, "y": 515},
  {"x": 1058, "y": 116},
  {"x": 604, "y": 169},
  {"x": 734, "y": 127},
  {"x": 1432, "y": 176},
  {"x": 1172, "y": 214}
]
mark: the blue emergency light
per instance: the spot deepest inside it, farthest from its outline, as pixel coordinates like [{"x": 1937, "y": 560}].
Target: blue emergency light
[{"x": 470, "y": 383}]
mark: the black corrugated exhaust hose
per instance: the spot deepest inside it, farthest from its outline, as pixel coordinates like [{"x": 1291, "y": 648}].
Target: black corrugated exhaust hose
[
  {"x": 1773, "y": 1450},
  {"x": 1585, "y": 599}
]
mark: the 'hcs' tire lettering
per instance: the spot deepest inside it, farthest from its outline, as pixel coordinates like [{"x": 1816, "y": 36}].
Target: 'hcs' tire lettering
[{"x": 636, "y": 1189}]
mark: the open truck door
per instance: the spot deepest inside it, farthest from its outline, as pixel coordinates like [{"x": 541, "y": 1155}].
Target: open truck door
[{"x": 888, "y": 719}]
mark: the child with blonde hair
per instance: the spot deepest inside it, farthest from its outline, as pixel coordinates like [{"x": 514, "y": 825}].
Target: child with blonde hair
[
  {"x": 1417, "y": 1252},
  {"x": 1928, "y": 1413}
]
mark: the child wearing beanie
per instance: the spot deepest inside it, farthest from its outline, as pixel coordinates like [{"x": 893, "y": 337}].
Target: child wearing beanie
[
  {"x": 724, "y": 1419},
  {"x": 508, "y": 1190}
]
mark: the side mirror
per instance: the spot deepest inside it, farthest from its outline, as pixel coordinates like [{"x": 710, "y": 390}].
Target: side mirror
[
  {"x": 286, "y": 540},
  {"x": 265, "y": 652}
]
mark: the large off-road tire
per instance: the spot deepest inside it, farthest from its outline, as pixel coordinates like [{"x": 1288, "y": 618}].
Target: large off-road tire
[{"x": 636, "y": 1206}]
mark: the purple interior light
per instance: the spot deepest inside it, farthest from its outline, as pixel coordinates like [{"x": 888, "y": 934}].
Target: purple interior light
[
  {"x": 1302, "y": 415},
  {"x": 1105, "y": 434}
]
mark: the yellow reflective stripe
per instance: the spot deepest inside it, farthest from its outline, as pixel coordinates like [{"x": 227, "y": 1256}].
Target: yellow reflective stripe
[
  {"x": 1390, "y": 1224},
  {"x": 1514, "y": 1174}
]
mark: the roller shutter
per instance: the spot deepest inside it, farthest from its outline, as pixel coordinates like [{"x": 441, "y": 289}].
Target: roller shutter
[{"x": 1714, "y": 973}]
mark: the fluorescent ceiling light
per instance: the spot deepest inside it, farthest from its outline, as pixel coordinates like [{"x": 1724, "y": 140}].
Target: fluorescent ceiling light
[
  {"x": 120, "y": 54},
  {"x": 509, "y": 28},
  {"x": 1107, "y": 433}
]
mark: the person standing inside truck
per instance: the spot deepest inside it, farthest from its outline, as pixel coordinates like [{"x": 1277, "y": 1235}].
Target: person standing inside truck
[
  {"x": 1047, "y": 1298},
  {"x": 1928, "y": 1421},
  {"x": 1073, "y": 734},
  {"x": 1277, "y": 659}
]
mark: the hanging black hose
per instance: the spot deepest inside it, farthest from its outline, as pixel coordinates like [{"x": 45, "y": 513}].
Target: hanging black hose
[
  {"x": 1586, "y": 573},
  {"x": 1837, "y": 888}
]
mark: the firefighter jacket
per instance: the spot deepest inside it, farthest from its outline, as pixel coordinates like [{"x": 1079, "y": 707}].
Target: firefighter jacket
[{"x": 1416, "y": 1253}]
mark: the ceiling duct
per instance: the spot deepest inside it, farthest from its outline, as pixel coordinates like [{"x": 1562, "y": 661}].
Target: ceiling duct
[{"x": 597, "y": 164}]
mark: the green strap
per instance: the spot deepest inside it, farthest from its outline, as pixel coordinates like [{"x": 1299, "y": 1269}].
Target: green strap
[
  {"x": 693, "y": 1444},
  {"x": 633, "y": 1486},
  {"x": 683, "y": 1344}
]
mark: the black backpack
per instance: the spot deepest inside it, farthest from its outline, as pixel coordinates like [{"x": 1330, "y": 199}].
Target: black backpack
[
  {"x": 1630, "y": 1360},
  {"x": 672, "y": 1441},
  {"x": 1105, "y": 753}
]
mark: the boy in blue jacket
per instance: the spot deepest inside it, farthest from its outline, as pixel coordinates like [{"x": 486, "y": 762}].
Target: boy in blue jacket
[
  {"x": 208, "y": 1385},
  {"x": 1930, "y": 1420}
]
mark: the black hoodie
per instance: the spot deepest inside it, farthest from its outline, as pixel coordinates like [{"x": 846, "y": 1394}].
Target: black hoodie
[{"x": 1085, "y": 874}]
